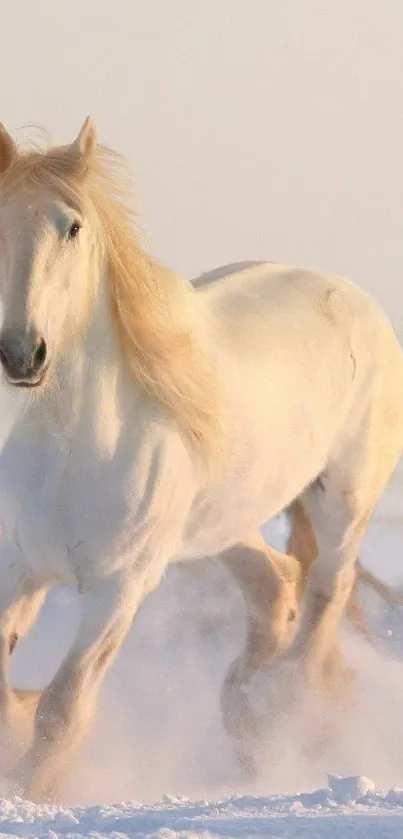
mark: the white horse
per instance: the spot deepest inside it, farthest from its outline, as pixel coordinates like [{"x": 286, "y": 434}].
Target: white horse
[{"x": 159, "y": 423}]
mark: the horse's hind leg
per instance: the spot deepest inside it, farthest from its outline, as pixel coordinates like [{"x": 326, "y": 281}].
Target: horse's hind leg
[
  {"x": 339, "y": 507},
  {"x": 269, "y": 581},
  {"x": 302, "y": 544}
]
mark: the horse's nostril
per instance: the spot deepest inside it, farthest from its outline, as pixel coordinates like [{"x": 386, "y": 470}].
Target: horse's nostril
[
  {"x": 39, "y": 355},
  {"x": 3, "y": 357}
]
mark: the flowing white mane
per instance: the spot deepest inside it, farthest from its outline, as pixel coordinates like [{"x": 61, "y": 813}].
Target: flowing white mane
[{"x": 153, "y": 309}]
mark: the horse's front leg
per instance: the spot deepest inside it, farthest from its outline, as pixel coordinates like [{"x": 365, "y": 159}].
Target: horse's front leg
[
  {"x": 66, "y": 706},
  {"x": 12, "y": 579}
]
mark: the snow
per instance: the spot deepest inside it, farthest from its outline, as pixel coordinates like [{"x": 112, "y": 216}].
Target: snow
[
  {"x": 320, "y": 813},
  {"x": 347, "y": 790},
  {"x": 159, "y": 745}
]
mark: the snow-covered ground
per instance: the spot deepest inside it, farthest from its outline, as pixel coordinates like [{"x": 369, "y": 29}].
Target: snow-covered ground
[
  {"x": 158, "y": 743},
  {"x": 322, "y": 813}
]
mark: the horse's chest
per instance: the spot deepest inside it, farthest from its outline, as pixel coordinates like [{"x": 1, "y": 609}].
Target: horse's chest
[
  {"x": 28, "y": 504},
  {"x": 55, "y": 504}
]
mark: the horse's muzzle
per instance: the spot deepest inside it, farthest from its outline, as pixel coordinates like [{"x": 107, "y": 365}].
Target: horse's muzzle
[{"x": 25, "y": 362}]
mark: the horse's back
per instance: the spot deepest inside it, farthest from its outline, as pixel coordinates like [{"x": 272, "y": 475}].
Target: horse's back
[
  {"x": 277, "y": 306},
  {"x": 283, "y": 287}
]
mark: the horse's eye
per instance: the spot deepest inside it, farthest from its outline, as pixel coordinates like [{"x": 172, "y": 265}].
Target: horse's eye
[{"x": 74, "y": 229}]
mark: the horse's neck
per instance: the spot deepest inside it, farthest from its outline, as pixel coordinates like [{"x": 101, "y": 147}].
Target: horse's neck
[{"x": 94, "y": 392}]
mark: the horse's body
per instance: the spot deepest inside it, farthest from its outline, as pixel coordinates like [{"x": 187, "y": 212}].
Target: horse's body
[
  {"x": 316, "y": 327},
  {"x": 174, "y": 436},
  {"x": 312, "y": 395}
]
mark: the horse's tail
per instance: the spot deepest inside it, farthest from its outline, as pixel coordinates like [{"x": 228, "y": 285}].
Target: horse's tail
[{"x": 303, "y": 546}]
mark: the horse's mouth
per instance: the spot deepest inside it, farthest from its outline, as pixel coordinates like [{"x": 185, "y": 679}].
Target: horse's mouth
[{"x": 28, "y": 383}]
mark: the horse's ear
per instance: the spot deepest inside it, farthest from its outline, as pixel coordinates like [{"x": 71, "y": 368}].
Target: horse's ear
[
  {"x": 8, "y": 149},
  {"x": 85, "y": 143}
]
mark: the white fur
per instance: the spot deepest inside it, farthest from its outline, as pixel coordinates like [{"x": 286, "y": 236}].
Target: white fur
[{"x": 98, "y": 488}]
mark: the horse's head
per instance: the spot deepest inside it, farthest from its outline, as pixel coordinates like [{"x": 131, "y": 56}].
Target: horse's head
[
  {"x": 46, "y": 252},
  {"x": 67, "y": 242}
]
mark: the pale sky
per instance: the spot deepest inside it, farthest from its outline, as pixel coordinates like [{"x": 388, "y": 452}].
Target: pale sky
[{"x": 256, "y": 129}]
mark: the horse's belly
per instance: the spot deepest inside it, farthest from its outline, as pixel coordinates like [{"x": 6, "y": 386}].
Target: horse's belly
[{"x": 256, "y": 491}]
